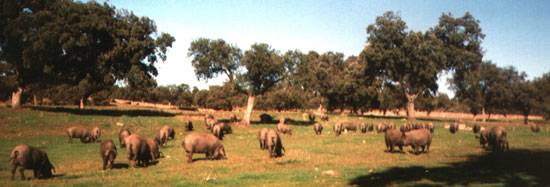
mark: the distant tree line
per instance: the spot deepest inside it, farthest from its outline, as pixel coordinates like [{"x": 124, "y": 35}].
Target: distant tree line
[{"x": 64, "y": 52}]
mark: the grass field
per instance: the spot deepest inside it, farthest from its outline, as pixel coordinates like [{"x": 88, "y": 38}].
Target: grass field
[{"x": 351, "y": 159}]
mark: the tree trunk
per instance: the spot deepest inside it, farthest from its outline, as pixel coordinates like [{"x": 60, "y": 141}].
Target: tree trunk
[
  {"x": 16, "y": 98},
  {"x": 320, "y": 109},
  {"x": 384, "y": 112},
  {"x": 91, "y": 99},
  {"x": 525, "y": 119},
  {"x": 411, "y": 113},
  {"x": 82, "y": 101},
  {"x": 475, "y": 118},
  {"x": 248, "y": 112},
  {"x": 483, "y": 114},
  {"x": 35, "y": 100}
]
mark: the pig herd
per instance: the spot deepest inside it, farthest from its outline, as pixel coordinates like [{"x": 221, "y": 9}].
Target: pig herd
[{"x": 143, "y": 150}]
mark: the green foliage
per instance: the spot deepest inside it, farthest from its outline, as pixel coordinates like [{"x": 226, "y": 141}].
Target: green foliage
[
  {"x": 411, "y": 59},
  {"x": 490, "y": 88},
  {"x": 213, "y": 57},
  {"x": 282, "y": 99},
  {"x": 543, "y": 91},
  {"x": 86, "y": 45},
  {"x": 7, "y": 80},
  {"x": 443, "y": 102},
  {"x": 498, "y": 88},
  {"x": 264, "y": 68},
  {"x": 461, "y": 43},
  {"x": 525, "y": 98},
  {"x": 219, "y": 97},
  {"x": 390, "y": 98},
  {"x": 426, "y": 102}
]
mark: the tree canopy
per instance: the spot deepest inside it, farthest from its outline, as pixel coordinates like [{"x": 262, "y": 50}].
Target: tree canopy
[
  {"x": 411, "y": 59},
  {"x": 86, "y": 45},
  {"x": 213, "y": 57}
]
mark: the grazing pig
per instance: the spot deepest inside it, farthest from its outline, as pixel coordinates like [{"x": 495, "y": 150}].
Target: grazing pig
[
  {"x": 188, "y": 125},
  {"x": 391, "y": 125},
  {"x": 107, "y": 150},
  {"x": 324, "y": 117},
  {"x": 498, "y": 138},
  {"x": 274, "y": 144},
  {"x": 370, "y": 127},
  {"x": 430, "y": 126},
  {"x": 208, "y": 116},
  {"x": 535, "y": 128},
  {"x": 381, "y": 128},
  {"x": 476, "y": 128},
  {"x": 170, "y": 130},
  {"x": 136, "y": 149},
  {"x": 417, "y": 138},
  {"x": 262, "y": 137},
  {"x": 266, "y": 118},
  {"x": 337, "y": 129},
  {"x": 154, "y": 148},
  {"x": 393, "y": 138},
  {"x": 79, "y": 132},
  {"x": 318, "y": 128},
  {"x": 28, "y": 157},
  {"x": 207, "y": 119},
  {"x": 225, "y": 127},
  {"x": 350, "y": 126},
  {"x": 233, "y": 118},
  {"x": 410, "y": 127},
  {"x": 96, "y": 133},
  {"x": 141, "y": 149},
  {"x": 121, "y": 135},
  {"x": 454, "y": 128},
  {"x": 483, "y": 137},
  {"x": 311, "y": 117},
  {"x": 363, "y": 127},
  {"x": 203, "y": 143},
  {"x": 210, "y": 122},
  {"x": 284, "y": 128},
  {"x": 404, "y": 128},
  {"x": 217, "y": 131},
  {"x": 161, "y": 136}
]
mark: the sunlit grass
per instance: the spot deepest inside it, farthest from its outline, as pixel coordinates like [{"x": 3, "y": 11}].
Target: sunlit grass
[{"x": 352, "y": 155}]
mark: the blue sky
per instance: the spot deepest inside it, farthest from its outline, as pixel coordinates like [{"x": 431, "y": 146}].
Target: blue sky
[{"x": 516, "y": 31}]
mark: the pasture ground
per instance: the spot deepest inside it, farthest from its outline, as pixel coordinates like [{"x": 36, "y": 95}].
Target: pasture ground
[{"x": 310, "y": 160}]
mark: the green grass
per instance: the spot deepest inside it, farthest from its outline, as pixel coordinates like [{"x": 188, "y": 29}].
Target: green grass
[{"x": 454, "y": 159}]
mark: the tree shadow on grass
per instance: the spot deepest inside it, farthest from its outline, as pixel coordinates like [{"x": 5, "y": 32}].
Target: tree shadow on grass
[
  {"x": 273, "y": 122},
  {"x": 204, "y": 159},
  {"x": 140, "y": 165},
  {"x": 288, "y": 122},
  {"x": 104, "y": 112},
  {"x": 120, "y": 166},
  {"x": 510, "y": 168},
  {"x": 436, "y": 119},
  {"x": 376, "y": 117},
  {"x": 370, "y": 116}
]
